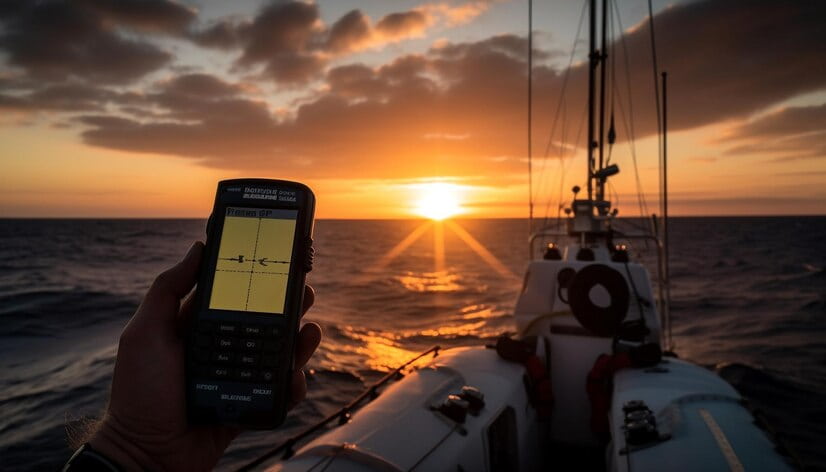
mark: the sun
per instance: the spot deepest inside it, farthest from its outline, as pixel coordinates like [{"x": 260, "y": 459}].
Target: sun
[{"x": 437, "y": 200}]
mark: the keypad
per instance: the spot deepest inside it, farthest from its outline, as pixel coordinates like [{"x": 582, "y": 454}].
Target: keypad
[{"x": 234, "y": 351}]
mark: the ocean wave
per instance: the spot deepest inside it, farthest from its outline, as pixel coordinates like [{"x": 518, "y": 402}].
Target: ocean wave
[
  {"x": 46, "y": 312},
  {"x": 791, "y": 409}
]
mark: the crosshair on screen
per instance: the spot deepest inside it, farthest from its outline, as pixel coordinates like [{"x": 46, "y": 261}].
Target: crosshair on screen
[{"x": 254, "y": 258}]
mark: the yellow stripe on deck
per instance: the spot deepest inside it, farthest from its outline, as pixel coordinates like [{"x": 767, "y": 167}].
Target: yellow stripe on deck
[{"x": 722, "y": 441}]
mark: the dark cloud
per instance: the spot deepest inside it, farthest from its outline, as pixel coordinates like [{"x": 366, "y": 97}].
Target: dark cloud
[
  {"x": 57, "y": 40},
  {"x": 403, "y": 24},
  {"x": 222, "y": 34},
  {"x": 787, "y": 121},
  {"x": 201, "y": 85},
  {"x": 350, "y": 32},
  {"x": 68, "y": 97},
  {"x": 390, "y": 117},
  {"x": 143, "y": 15},
  {"x": 789, "y": 133},
  {"x": 199, "y": 116},
  {"x": 293, "y": 46},
  {"x": 727, "y": 61},
  {"x": 280, "y": 28},
  {"x": 285, "y": 38},
  {"x": 282, "y": 37},
  {"x": 461, "y": 106}
]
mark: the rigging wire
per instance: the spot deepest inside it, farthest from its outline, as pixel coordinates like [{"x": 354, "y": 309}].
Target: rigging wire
[
  {"x": 563, "y": 174},
  {"x": 612, "y": 79},
  {"x": 663, "y": 182},
  {"x": 561, "y": 102},
  {"x": 655, "y": 70},
  {"x": 629, "y": 125},
  {"x": 560, "y": 108}
]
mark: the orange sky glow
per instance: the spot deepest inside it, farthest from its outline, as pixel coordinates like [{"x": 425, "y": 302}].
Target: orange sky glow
[{"x": 377, "y": 106}]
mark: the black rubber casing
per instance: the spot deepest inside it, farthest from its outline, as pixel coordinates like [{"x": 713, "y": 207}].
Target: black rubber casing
[{"x": 227, "y": 401}]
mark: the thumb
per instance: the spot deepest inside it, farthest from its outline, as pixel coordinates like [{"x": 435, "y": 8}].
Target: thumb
[{"x": 174, "y": 283}]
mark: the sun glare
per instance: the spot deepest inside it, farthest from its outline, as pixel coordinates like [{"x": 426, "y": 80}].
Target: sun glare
[{"x": 437, "y": 200}]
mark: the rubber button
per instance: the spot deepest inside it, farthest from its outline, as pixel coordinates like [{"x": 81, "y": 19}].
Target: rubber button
[
  {"x": 252, "y": 330},
  {"x": 248, "y": 359},
  {"x": 227, "y": 328},
  {"x": 251, "y": 344},
  {"x": 222, "y": 357},
  {"x": 220, "y": 372},
  {"x": 245, "y": 374}
]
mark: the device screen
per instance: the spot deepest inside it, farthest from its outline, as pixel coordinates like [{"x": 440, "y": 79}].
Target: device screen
[{"x": 254, "y": 258}]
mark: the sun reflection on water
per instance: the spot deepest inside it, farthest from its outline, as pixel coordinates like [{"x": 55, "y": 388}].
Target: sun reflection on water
[
  {"x": 458, "y": 330},
  {"x": 478, "y": 311},
  {"x": 439, "y": 281},
  {"x": 380, "y": 349}
]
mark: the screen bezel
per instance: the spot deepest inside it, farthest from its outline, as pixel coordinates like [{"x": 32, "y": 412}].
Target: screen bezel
[{"x": 303, "y": 228}]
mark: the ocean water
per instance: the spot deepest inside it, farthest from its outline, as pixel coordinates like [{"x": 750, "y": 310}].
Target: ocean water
[{"x": 749, "y": 300}]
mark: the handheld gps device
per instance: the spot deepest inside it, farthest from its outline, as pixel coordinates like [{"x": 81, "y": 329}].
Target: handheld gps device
[{"x": 247, "y": 305}]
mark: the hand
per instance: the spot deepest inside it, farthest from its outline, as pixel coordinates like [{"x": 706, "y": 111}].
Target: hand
[{"x": 145, "y": 425}]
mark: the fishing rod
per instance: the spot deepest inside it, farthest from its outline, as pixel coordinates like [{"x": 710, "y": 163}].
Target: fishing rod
[{"x": 342, "y": 414}]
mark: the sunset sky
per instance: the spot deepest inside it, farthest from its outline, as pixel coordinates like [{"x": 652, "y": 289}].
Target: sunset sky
[{"x": 117, "y": 108}]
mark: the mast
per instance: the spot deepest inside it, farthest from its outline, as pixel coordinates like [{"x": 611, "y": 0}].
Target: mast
[
  {"x": 594, "y": 61},
  {"x": 667, "y": 310},
  {"x": 530, "y": 116},
  {"x": 602, "y": 58}
]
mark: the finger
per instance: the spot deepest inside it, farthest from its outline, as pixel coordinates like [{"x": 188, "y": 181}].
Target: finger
[
  {"x": 309, "y": 299},
  {"x": 174, "y": 283},
  {"x": 308, "y": 340},
  {"x": 185, "y": 314},
  {"x": 298, "y": 388}
]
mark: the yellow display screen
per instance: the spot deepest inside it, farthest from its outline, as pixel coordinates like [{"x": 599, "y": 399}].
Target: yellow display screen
[{"x": 254, "y": 258}]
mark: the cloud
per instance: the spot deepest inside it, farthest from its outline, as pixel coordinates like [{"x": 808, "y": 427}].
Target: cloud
[
  {"x": 385, "y": 117},
  {"x": 162, "y": 16},
  {"x": 404, "y": 118},
  {"x": 61, "y": 97},
  {"x": 459, "y": 14},
  {"x": 355, "y": 31},
  {"x": 725, "y": 61},
  {"x": 199, "y": 84},
  {"x": 409, "y": 24},
  {"x": 57, "y": 40},
  {"x": 789, "y": 133},
  {"x": 351, "y": 31},
  {"x": 786, "y": 121},
  {"x": 221, "y": 34},
  {"x": 293, "y": 45}
]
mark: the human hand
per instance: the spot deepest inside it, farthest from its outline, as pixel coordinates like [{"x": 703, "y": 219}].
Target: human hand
[{"x": 145, "y": 425}]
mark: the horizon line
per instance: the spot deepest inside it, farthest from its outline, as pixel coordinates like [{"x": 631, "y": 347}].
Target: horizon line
[{"x": 411, "y": 218}]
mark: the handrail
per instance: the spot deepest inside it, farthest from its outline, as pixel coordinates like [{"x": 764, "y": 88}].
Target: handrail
[{"x": 343, "y": 414}]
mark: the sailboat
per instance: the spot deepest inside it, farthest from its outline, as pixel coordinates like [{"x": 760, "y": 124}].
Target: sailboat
[{"x": 589, "y": 382}]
